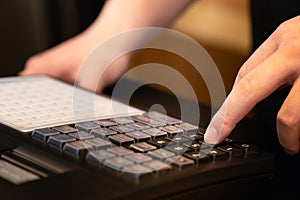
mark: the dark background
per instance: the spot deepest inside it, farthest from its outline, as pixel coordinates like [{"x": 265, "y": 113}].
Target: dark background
[{"x": 31, "y": 26}]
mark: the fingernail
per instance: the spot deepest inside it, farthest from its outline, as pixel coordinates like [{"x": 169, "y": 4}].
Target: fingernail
[{"x": 211, "y": 135}]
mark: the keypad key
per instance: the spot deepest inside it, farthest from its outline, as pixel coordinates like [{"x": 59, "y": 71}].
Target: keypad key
[
  {"x": 86, "y": 126},
  {"x": 232, "y": 151},
  {"x": 180, "y": 162},
  {"x": 117, "y": 163},
  {"x": 103, "y": 132},
  {"x": 138, "y": 126},
  {"x": 159, "y": 143},
  {"x": 197, "y": 146},
  {"x": 77, "y": 148},
  {"x": 121, "y": 129},
  {"x": 172, "y": 130},
  {"x": 247, "y": 149},
  {"x": 177, "y": 149},
  {"x": 187, "y": 127},
  {"x": 138, "y": 158},
  {"x": 194, "y": 136},
  {"x": 121, "y": 139},
  {"x": 99, "y": 143},
  {"x": 163, "y": 118},
  {"x": 199, "y": 157},
  {"x": 136, "y": 171},
  {"x": 81, "y": 135},
  {"x": 158, "y": 166},
  {"x": 99, "y": 156},
  {"x": 138, "y": 136},
  {"x": 44, "y": 134},
  {"x": 227, "y": 141},
  {"x": 142, "y": 147},
  {"x": 178, "y": 139},
  {"x": 60, "y": 140},
  {"x": 120, "y": 151},
  {"x": 122, "y": 120},
  {"x": 216, "y": 154},
  {"x": 106, "y": 123},
  {"x": 147, "y": 120},
  {"x": 161, "y": 154},
  {"x": 155, "y": 133},
  {"x": 65, "y": 129}
]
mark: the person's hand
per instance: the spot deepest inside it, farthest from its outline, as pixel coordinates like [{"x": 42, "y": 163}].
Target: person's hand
[
  {"x": 274, "y": 64},
  {"x": 64, "y": 60}
]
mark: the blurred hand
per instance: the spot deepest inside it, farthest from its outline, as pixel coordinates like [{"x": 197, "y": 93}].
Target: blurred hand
[
  {"x": 64, "y": 60},
  {"x": 274, "y": 64}
]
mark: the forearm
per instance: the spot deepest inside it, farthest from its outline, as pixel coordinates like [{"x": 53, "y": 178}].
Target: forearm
[{"x": 123, "y": 15}]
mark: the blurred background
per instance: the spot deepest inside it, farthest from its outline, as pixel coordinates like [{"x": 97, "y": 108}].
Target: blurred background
[{"x": 221, "y": 26}]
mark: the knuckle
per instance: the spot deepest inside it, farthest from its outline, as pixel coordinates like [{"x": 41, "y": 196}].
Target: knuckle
[
  {"x": 245, "y": 87},
  {"x": 286, "y": 119}
]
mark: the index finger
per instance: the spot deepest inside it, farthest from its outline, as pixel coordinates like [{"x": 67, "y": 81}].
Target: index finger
[{"x": 246, "y": 93}]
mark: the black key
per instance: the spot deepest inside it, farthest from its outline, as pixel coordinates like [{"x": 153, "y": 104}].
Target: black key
[
  {"x": 197, "y": 146},
  {"x": 120, "y": 151},
  {"x": 227, "y": 141},
  {"x": 123, "y": 120},
  {"x": 99, "y": 143},
  {"x": 247, "y": 149},
  {"x": 121, "y": 129},
  {"x": 106, "y": 123},
  {"x": 160, "y": 154},
  {"x": 177, "y": 149},
  {"x": 155, "y": 133},
  {"x": 60, "y": 140},
  {"x": 65, "y": 129},
  {"x": 81, "y": 135},
  {"x": 199, "y": 157},
  {"x": 117, "y": 163},
  {"x": 216, "y": 154},
  {"x": 103, "y": 132},
  {"x": 162, "y": 118},
  {"x": 138, "y": 158},
  {"x": 77, "y": 148},
  {"x": 142, "y": 147},
  {"x": 180, "y": 162},
  {"x": 159, "y": 143},
  {"x": 147, "y": 120},
  {"x": 232, "y": 151},
  {"x": 86, "y": 126},
  {"x": 121, "y": 139},
  {"x": 172, "y": 130},
  {"x": 44, "y": 134},
  {"x": 138, "y": 136},
  {"x": 99, "y": 156},
  {"x": 138, "y": 126}
]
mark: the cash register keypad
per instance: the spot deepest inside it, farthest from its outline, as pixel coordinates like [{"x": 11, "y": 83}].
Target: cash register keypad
[{"x": 139, "y": 145}]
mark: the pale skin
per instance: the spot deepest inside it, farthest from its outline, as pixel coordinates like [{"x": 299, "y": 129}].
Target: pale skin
[{"x": 274, "y": 64}]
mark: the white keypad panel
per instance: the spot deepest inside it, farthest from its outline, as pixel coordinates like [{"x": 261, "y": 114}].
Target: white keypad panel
[{"x": 28, "y": 103}]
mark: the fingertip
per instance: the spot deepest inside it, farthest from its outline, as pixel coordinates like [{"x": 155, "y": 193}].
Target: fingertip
[{"x": 211, "y": 135}]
